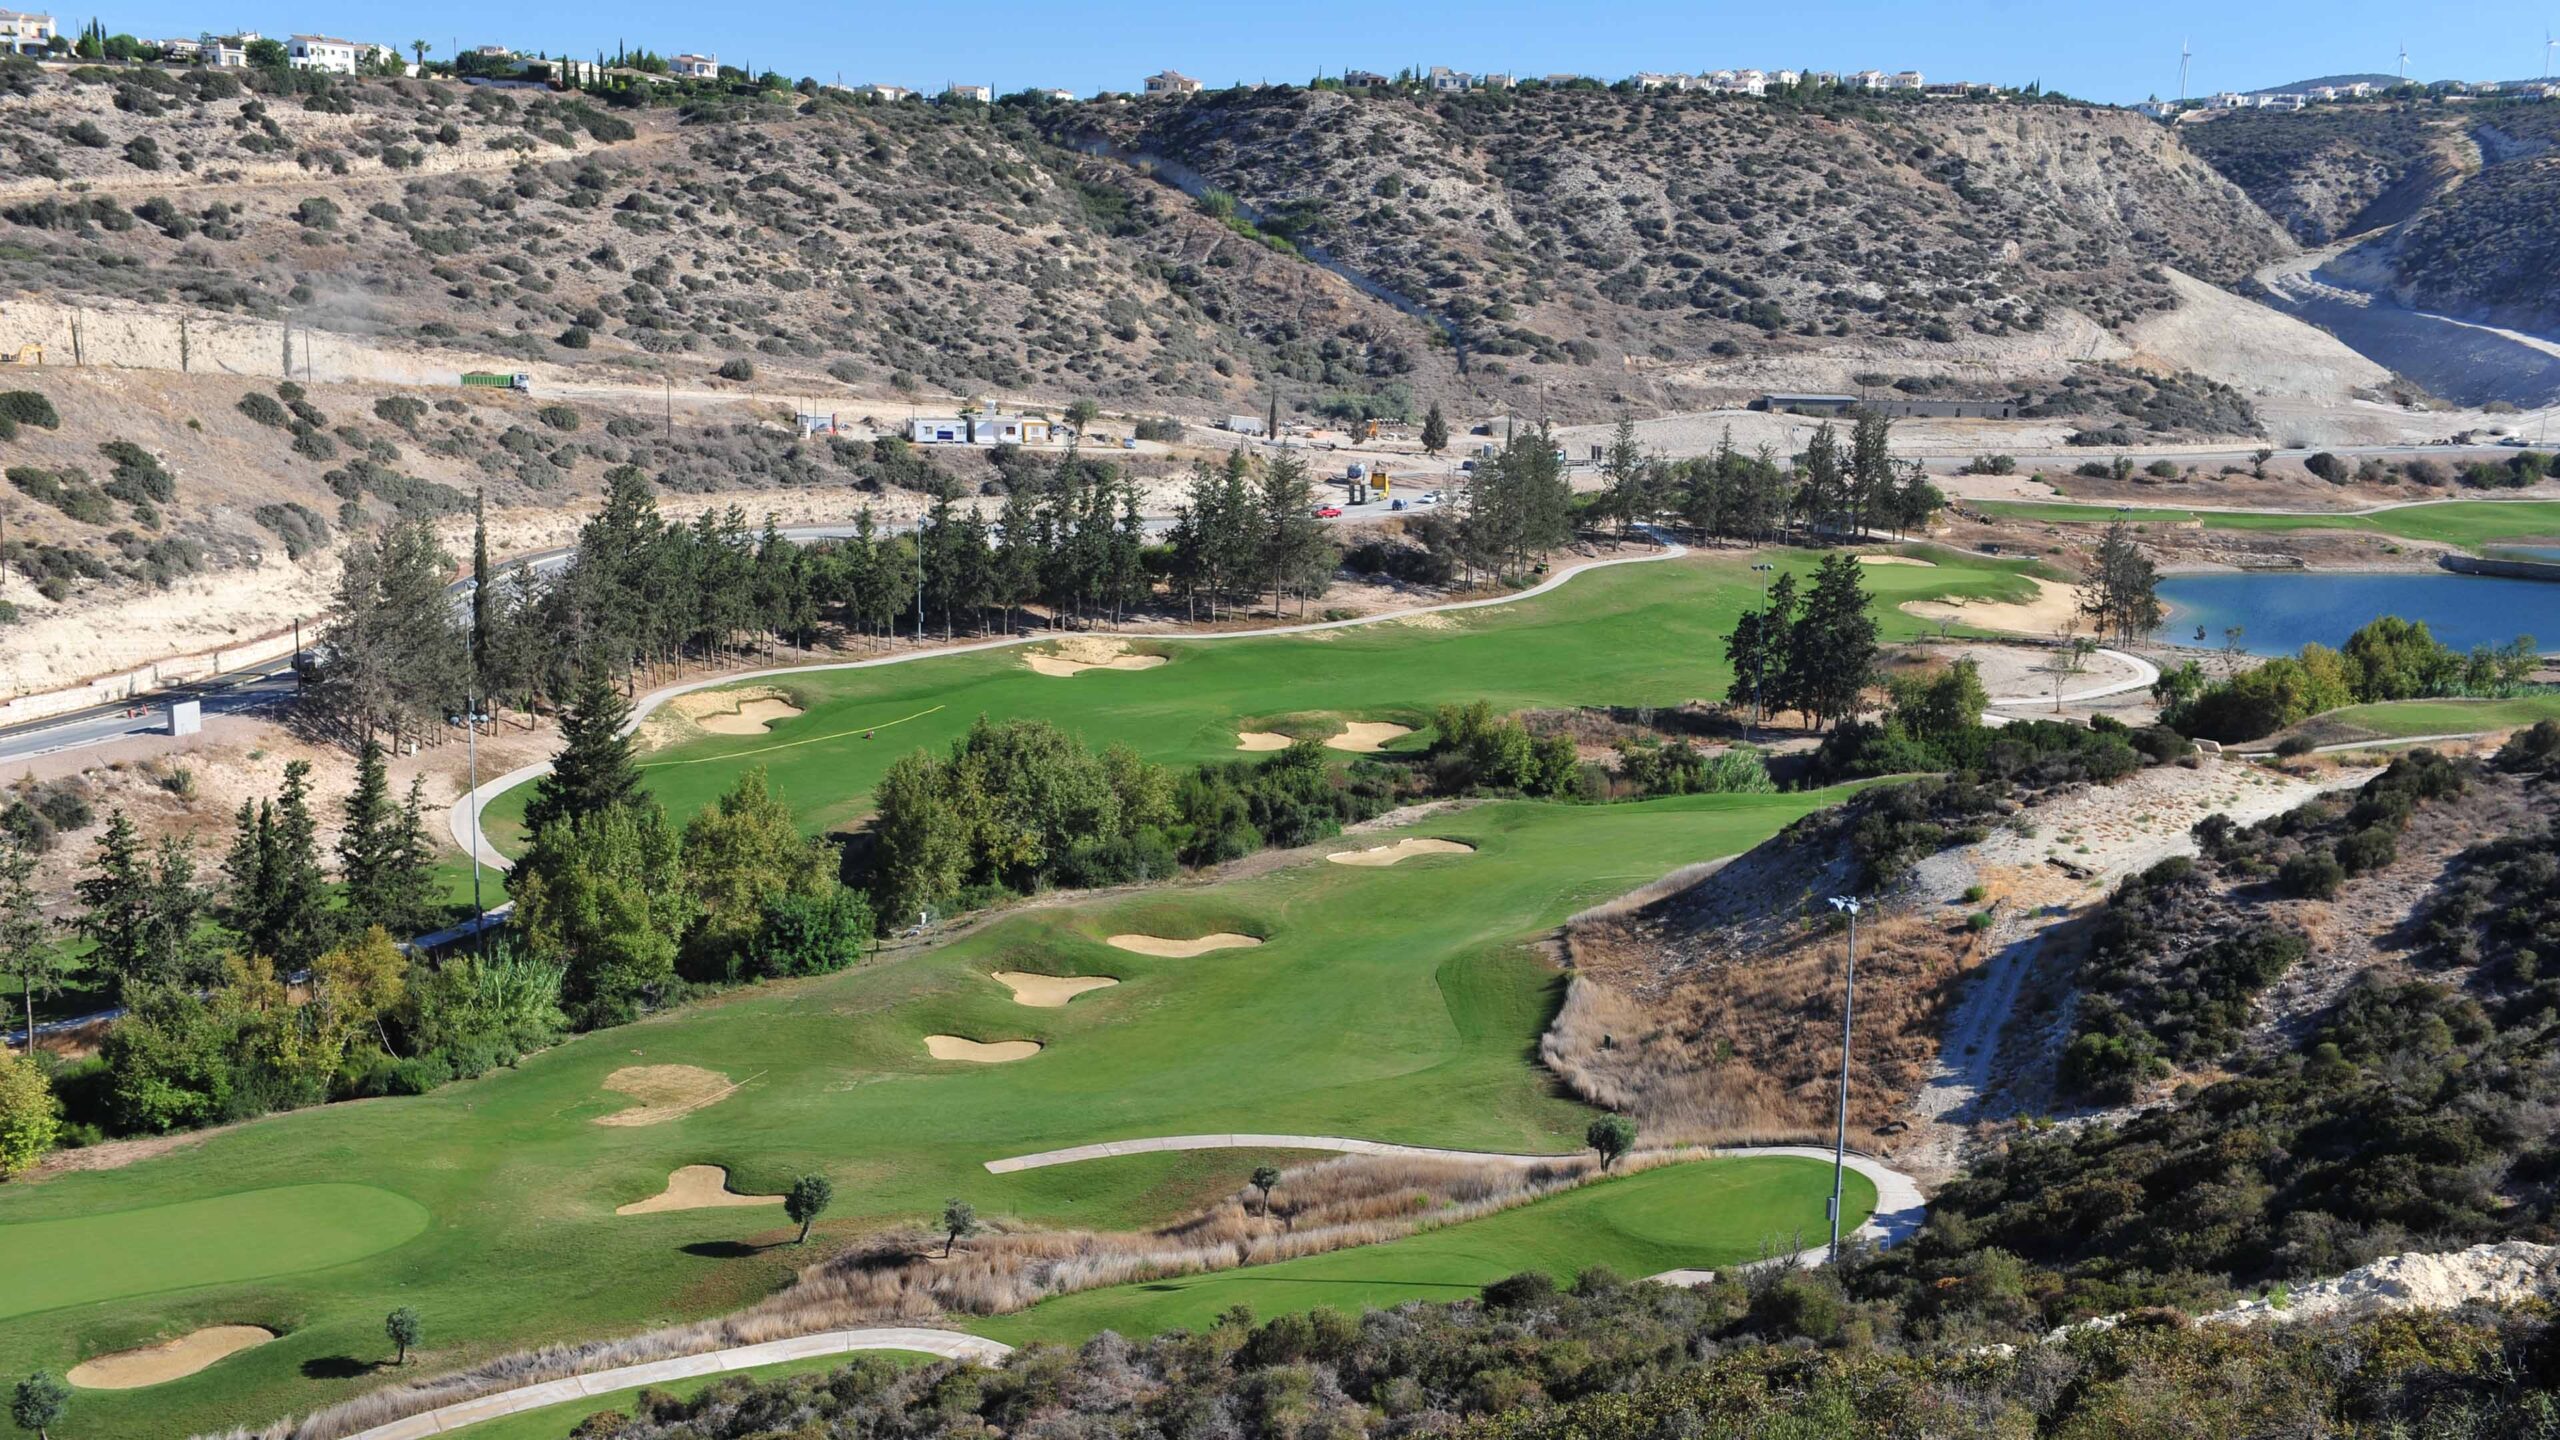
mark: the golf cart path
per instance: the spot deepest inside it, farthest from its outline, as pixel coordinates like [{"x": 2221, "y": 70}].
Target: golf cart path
[
  {"x": 950, "y": 1344},
  {"x": 463, "y": 820},
  {"x": 1900, "y": 1208},
  {"x": 2145, "y": 675}
]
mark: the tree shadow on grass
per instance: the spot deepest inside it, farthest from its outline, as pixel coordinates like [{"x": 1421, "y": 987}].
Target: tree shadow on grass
[
  {"x": 338, "y": 1367},
  {"x": 723, "y": 1249}
]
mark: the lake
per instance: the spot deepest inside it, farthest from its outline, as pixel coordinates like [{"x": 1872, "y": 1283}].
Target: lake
[{"x": 2280, "y": 612}]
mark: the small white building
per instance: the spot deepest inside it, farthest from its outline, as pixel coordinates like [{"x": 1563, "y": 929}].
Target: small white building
[
  {"x": 983, "y": 94},
  {"x": 1905, "y": 80},
  {"x": 1499, "y": 80},
  {"x": 695, "y": 67},
  {"x": 890, "y": 93},
  {"x": 1247, "y": 425},
  {"x": 1365, "y": 80},
  {"x": 1864, "y": 80},
  {"x": 978, "y": 430},
  {"x": 1444, "y": 80},
  {"x": 26, "y": 34},
  {"x": 325, "y": 53},
  {"x": 1172, "y": 82},
  {"x": 223, "y": 52},
  {"x": 1062, "y": 96}
]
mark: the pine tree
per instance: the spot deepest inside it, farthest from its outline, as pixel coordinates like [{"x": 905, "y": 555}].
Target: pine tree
[
  {"x": 1435, "y": 431},
  {"x": 1832, "y": 660},
  {"x": 277, "y": 900},
  {"x": 365, "y": 843},
  {"x": 115, "y": 903},
  {"x": 26, "y": 954},
  {"x": 593, "y": 772}
]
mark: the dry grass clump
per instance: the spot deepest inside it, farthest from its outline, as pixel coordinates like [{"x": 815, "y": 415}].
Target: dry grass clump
[
  {"x": 1747, "y": 1048},
  {"x": 900, "y": 1277}
]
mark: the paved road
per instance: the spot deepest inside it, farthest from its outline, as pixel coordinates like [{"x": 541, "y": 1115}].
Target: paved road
[
  {"x": 950, "y": 1344},
  {"x": 1899, "y": 1211},
  {"x": 462, "y": 822}
]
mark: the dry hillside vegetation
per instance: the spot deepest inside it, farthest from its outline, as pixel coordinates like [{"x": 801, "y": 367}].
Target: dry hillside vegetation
[
  {"x": 1583, "y": 228},
  {"x": 2459, "y": 194},
  {"x": 889, "y": 244}
]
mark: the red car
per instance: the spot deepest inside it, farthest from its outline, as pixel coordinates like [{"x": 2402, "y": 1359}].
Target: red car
[{"x": 1330, "y": 512}]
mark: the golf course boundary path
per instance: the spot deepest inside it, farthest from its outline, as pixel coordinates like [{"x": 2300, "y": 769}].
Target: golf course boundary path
[
  {"x": 949, "y": 1344},
  {"x": 463, "y": 820},
  {"x": 2145, "y": 674},
  {"x": 1900, "y": 1208}
]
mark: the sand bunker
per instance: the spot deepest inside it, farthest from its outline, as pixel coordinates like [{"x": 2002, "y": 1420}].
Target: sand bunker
[
  {"x": 752, "y": 717},
  {"x": 665, "y": 1092},
  {"x": 1261, "y": 740},
  {"x": 1401, "y": 850},
  {"x": 1164, "y": 949},
  {"x": 1049, "y": 992},
  {"x": 1077, "y": 655},
  {"x": 745, "y": 711},
  {"x": 1896, "y": 560},
  {"x": 979, "y": 1052},
  {"x": 695, "y": 1187},
  {"x": 1365, "y": 737},
  {"x": 2055, "y": 608},
  {"x": 168, "y": 1360}
]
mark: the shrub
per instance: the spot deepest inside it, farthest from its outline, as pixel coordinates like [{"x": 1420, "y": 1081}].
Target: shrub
[
  {"x": 317, "y": 213},
  {"x": 2315, "y": 874},
  {"x": 576, "y": 337},
  {"x": 558, "y": 417},
  {"x": 2328, "y": 467},
  {"x": 262, "y": 408},
  {"x": 737, "y": 369},
  {"x": 29, "y": 407},
  {"x": 400, "y": 410},
  {"x": 2293, "y": 747}
]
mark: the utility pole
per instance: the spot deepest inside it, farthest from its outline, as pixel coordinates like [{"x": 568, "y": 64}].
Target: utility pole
[{"x": 1848, "y": 1008}]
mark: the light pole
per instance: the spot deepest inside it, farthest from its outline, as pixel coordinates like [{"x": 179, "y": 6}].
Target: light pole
[{"x": 1848, "y": 1007}]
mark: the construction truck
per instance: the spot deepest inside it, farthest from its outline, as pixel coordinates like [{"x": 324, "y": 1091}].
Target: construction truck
[
  {"x": 492, "y": 380},
  {"x": 27, "y": 355}
]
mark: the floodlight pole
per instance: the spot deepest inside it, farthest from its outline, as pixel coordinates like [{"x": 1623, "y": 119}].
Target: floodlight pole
[{"x": 1848, "y": 1007}]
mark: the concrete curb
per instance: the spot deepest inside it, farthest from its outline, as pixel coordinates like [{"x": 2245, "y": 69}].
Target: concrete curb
[{"x": 950, "y": 1344}]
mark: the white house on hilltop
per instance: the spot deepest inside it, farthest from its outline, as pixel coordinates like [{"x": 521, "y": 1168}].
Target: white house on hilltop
[
  {"x": 25, "y": 34},
  {"x": 1172, "y": 82},
  {"x": 695, "y": 67},
  {"x": 983, "y": 94},
  {"x": 324, "y": 53}
]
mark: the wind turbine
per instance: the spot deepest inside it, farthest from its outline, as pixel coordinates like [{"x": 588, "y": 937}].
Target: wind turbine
[
  {"x": 2547, "y": 44},
  {"x": 2404, "y": 62},
  {"x": 2185, "y": 55}
]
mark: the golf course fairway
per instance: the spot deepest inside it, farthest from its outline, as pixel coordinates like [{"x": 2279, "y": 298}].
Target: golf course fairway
[
  {"x": 1629, "y": 635},
  {"x": 1399, "y": 1004},
  {"x": 2467, "y": 524},
  {"x": 1699, "y": 1214}
]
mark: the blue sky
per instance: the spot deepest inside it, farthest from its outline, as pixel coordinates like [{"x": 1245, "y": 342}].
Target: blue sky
[{"x": 2118, "y": 53}]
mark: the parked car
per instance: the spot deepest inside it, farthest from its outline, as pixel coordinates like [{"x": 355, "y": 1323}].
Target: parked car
[
  {"x": 1398, "y": 505},
  {"x": 1330, "y": 512},
  {"x": 1468, "y": 466}
]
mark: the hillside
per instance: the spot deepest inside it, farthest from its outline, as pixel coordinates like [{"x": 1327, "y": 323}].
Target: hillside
[
  {"x": 1576, "y": 236},
  {"x": 2455, "y": 191}
]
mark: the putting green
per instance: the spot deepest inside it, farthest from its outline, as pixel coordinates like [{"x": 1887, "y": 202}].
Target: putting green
[
  {"x": 1633, "y": 635},
  {"x": 250, "y": 1235},
  {"x": 1701, "y": 1215},
  {"x": 2469, "y": 524},
  {"x": 2397, "y": 719}
]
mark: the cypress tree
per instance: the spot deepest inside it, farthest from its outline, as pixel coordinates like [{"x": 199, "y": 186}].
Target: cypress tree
[
  {"x": 1435, "y": 431},
  {"x": 278, "y": 901},
  {"x": 593, "y": 772}
]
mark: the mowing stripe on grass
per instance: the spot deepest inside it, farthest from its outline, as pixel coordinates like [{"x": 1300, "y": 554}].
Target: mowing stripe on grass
[
  {"x": 790, "y": 744},
  {"x": 248, "y": 1235}
]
